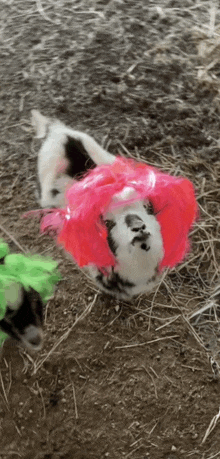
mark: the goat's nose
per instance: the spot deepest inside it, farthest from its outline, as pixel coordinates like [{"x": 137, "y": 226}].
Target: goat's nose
[
  {"x": 36, "y": 341},
  {"x": 33, "y": 337},
  {"x": 135, "y": 223}
]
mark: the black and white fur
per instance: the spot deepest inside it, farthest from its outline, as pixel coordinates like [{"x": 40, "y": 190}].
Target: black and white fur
[
  {"x": 133, "y": 230},
  {"x": 23, "y": 320},
  {"x": 64, "y": 155}
]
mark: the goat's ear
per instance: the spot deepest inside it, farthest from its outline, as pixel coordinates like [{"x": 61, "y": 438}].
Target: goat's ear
[
  {"x": 39, "y": 123},
  {"x": 14, "y": 295}
]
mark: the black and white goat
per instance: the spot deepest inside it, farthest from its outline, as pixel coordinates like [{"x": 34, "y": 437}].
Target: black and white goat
[
  {"x": 134, "y": 232},
  {"x": 23, "y": 319},
  {"x": 21, "y": 306}
]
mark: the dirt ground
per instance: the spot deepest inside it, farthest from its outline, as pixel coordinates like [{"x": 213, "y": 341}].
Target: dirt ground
[{"x": 126, "y": 380}]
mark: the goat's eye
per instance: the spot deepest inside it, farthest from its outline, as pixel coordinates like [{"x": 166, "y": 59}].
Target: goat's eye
[
  {"x": 9, "y": 312},
  {"x": 109, "y": 224},
  {"x": 149, "y": 208},
  {"x": 54, "y": 192}
]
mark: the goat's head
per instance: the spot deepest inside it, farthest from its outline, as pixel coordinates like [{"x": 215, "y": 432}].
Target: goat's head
[
  {"x": 23, "y": 319},
  {"x": 26, "y": 283},
  {"x": 133, "y": 229}
]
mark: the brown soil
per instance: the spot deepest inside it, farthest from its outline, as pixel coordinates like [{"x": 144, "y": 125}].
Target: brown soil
[{"x": 132, "y": 380}]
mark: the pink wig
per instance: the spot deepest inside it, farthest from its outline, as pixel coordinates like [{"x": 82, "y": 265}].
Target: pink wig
[{"x": 82, "y": 231}]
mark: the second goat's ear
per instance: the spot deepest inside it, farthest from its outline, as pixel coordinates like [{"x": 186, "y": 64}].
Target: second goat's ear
[
  {"x": 14, "y": 295},
  {"x": 39, "y": 123}
]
